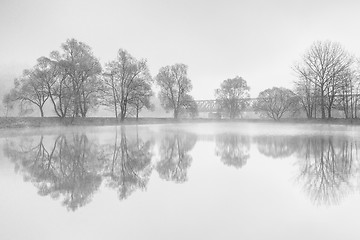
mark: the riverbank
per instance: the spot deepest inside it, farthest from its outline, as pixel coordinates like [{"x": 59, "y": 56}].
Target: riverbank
[{"x": 31, "y": 122}]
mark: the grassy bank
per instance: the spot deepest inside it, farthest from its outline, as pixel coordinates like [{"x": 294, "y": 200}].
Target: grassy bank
[{"x": 27, "y": 122}]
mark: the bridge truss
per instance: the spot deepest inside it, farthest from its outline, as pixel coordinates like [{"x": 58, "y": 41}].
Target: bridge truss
[{"x": 213, "y": 106}]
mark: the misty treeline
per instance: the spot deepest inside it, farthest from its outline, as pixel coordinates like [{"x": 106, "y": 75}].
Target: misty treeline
[
  {"x": 327, "y": 80},
  {"x": 74, "y": 82}
]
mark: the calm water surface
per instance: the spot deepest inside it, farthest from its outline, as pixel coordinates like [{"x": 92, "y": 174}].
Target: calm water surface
[{"x": 186, "y": 181}]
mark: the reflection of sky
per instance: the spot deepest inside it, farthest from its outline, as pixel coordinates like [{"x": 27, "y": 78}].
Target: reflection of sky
[{"x": 260, "y": 200}]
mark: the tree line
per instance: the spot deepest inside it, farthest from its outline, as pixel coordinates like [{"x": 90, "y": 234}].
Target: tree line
[
  {"x": 327, "y": 79},
  {"x": 74, "y": 82}
]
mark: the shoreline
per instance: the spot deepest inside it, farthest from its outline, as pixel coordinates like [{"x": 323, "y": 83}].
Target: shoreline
[{"x": 38, "y": 122}]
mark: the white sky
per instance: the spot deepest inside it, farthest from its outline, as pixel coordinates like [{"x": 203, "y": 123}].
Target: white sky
[{"x": 258, "y": 40}]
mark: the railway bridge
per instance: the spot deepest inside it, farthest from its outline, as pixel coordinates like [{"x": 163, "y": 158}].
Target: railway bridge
[{"x": 213, "y": 106}]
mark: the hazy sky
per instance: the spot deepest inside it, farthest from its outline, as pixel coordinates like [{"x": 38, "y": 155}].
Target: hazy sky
[{"x": 257, "y": 40}]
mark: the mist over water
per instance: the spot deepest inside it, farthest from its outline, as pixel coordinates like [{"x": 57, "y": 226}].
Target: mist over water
[{"x": 213, "y": 180}]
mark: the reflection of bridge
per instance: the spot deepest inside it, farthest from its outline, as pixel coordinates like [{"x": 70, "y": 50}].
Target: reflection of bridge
[{"x": 214, "y": 105}]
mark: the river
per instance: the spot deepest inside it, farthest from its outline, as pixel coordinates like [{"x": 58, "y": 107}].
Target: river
[{"x": 181, "y": 181}]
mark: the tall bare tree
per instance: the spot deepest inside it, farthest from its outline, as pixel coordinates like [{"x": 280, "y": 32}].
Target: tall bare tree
[
  {"x": 83, "y": 69},
  {"x": 323, "y": 65},
  {"x": 308, "y": 94},
  {"x": 71, "y": 78},
  {"x": 30, "y": 90},
  {"x": 121, "y": 79}
]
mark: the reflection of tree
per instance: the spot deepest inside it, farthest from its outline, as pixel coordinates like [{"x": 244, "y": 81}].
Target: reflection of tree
[
  {"x": 129, "y": 164},
  {"x": 233, "y": 149},
  {"x": 68, "y": 169},
  {"x": 326, "y": 163},
  {"x": 277, "y": 146},
  {"x": 174, "y": 156},
  {"x": 326, "y": 168}
]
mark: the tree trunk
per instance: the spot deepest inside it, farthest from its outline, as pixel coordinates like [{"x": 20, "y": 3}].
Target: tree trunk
[
  {"x": 322, "y": 106},
  {"x": 176, "y": 114},
  {"x": 137, "y": 114},
  {"x": 41, "y": 112},
  {"x": 116, "y": 113}
]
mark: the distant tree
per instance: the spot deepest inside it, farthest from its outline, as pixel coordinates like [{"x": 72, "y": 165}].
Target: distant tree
[
  {"x": 274, "y": 102},
  {"x": 323, "y": 65},
  {"x": 123, "y": 78},
  {"x": 8, "y": 103},
  {"x": 190, "y": 108},
  {"x": 231, "y": 96},
  {"x": 174, "y": 88}
]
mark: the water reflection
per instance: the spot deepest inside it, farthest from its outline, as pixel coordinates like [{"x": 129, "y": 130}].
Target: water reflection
[
  {"x": 233, "y": 149},
  {"x": 174, "y": 157},
  {"x": 326, "y": 168},
  {"x": 72, "y": 167},
  {"x": 277, "y": 146},
  {"x": 127, "y": 163},
  {"x": 68, "y": 168}
]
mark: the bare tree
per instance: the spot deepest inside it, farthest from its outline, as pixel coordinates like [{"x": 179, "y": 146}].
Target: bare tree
[
  {"x": 29, "y": 90},
  {"x": 232, "y": 96},
  {"x": 275, "y": 102},
  {"x": 346, "y": 101},
  {"x": 308, "y": 94},
  {"x": 71, "y": 78},
  {"x": 82, "y": 68},
  {"x": 174, "y": 88},
  {"x": 58, "y": 83},
  {"x": 121, "y": 80},
  {"x": 323, "y": 65}
]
